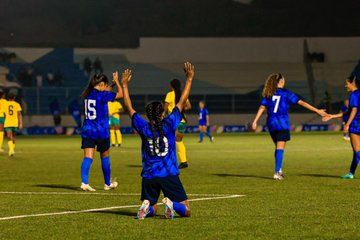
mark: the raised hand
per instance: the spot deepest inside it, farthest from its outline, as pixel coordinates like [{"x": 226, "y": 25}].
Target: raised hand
[
  {"x": 115, "y": 76},
  {"x": 126, "y": 77},
  {"x": 189, "y": 70}
]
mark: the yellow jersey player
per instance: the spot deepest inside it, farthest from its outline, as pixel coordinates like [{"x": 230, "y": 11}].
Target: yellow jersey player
[
  {"x": 115, "y": 109},
  {"x": 2, "y": 118},
  {"x": 13, "y": 121},
  {"x": 172, "y": 98}
]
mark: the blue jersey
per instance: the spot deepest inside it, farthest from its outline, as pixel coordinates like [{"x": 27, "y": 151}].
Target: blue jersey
[
  {"x": 355, "y": 103},
  {"x": 277, "y": 109},
  {"x": 346, "y": 113},
  {"x": 161, "y": 162},
  {"x": 203, "y": 113},
  {"x": 96, "y": 122}
]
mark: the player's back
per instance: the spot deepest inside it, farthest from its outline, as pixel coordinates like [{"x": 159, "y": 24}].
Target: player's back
[
  {"x": 96, "y": 114},
  {"x": 160, "y": 161},
  {"x": 11, "y": 111}
]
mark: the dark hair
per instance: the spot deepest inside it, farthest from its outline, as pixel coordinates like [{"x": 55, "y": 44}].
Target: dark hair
[
  {"x": 11, "y": 96},
  {"x": 176, "y": 85},
  {"x": 95, "y": 80},
  {"x": 355, "y": 79},
  {"x": 154, "y": 111}
]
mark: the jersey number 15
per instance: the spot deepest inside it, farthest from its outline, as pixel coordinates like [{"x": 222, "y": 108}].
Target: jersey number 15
[{"x": 90, "y": 110}]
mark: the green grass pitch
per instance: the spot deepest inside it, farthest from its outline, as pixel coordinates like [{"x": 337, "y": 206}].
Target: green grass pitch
[{"x": 311, "y": 203}]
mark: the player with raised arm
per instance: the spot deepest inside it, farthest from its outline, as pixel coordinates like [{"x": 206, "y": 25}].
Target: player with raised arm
[
  {"x": 160, "y": 168},
  {"x": 276, "y": 100},
  {"x": 172, "y": 98},
  {"x": 95, "y": 130},
  {"x": 352, "y": 125},
  {"x": 204, "y": 122}
]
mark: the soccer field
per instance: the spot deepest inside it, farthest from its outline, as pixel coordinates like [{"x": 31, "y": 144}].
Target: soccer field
[{"x": 229, "y": 182}]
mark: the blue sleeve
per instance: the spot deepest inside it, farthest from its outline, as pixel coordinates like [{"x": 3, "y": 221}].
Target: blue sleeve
[
  {"x": 264, "y": 102},
  {"x": 107, "y": 96},
  {"x": 293, "y": 98},
  {"x": 354, "y": 101},
  {"x": 174, "y": 118},
  {"x": 138, "y": 123},
  {"x": 206, "y": 111}
]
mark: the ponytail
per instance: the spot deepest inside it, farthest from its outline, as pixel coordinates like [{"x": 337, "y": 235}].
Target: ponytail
[
  {"x": 154, "y": 112},
  {"x": 95, "y": 80},
  {"x": 271, "y": 84}
]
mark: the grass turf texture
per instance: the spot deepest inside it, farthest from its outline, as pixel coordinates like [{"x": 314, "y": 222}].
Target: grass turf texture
[{"x": 312, "y": 202}]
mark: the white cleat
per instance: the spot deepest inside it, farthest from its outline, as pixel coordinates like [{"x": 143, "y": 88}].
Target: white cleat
[
  {"x": 169, "y": 209},
  {"x": 143, "y": 210},
  {"x": 2, "y": 150},
  {"x": 11, "y": 153},
  {"x": 87, "y": 187},
  {"x": 113, "y": 185},
  {"x": 278, "y": 176}
]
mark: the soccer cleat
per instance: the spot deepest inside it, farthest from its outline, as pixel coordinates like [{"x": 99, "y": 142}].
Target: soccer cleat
[
  {"x": 113, "y": 145},
  {"x": 200, "y": 141},
  {"x": 348, "y": 176},
  {"x": 143, "y": 210},
  {"x": 11, "y": 153},
  {"x": 278, "y": 176},
  {"x": 86, "y": 187},
  {"x": 183, "y": 165},
  {"x": 169, "y": 210},
  {"x": 2, "y": 150},
  {"x": 113, "y": 185},
  {"x": 212, "y": 139},
  {"x": 346, "y": 138}
]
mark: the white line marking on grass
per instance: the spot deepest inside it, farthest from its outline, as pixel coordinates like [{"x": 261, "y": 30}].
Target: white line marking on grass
[
  {"x": 108, "y": 208},
  {"x": 101, "y": 194}
]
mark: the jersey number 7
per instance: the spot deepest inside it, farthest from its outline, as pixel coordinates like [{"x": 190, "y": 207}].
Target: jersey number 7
[
  {"x": 90, "y": 110},
  {"x": 277, "y": 101}
]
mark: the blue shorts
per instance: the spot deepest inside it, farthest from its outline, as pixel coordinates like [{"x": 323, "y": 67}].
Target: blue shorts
[
  {"x": 102, "y": 145},
  {"x": 280, "y": 136},
  {"x": 171, "y": 187}
]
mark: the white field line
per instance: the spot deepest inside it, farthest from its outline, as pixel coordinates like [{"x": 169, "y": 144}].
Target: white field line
[
  {"x": 107, "y": 208},
  {"x": 101, "y": 194}
]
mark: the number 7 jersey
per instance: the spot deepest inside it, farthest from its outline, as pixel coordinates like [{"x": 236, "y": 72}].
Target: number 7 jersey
[
  {"x": 277, "y": 109},
  {"x": 96, "y": 121}
]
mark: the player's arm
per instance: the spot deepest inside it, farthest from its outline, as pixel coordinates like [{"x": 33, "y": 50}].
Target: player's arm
[
  {"x": 353, "y": 113},
  {"x": 126, "y": 77},
  {"x": 187, "y": 105},
  {"x": 331, "y": 116},
  {"x": 257, "y": 117},
  {"x": 207, "y": 120},
  {"x": 20, "y": 120},
  {"x": 321, "y": 112},
  {"x": 119, "y": 93},
  {"x": 189, "y": 71}
]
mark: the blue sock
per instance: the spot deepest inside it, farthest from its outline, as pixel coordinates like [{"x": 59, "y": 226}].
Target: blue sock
[
  {"x": 179, "y": 208},
  {"x": 151, "y": 212},
  {"x": 279, "y": 156},
  {"x": 105, "y": 164},
  {"x": 357, "y": 158},
  {"x": 85, "y": 169},
  {"x": 208, "y": 133},
  {"x": 201, "y": 137}
]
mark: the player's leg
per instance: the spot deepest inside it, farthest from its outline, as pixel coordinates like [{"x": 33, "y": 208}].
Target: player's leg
[
  {"x": 1, "y": 134},
  {"x": 355, "y": 143},
  {"x": 353, "y": 166},
  {"x": 175, "y": 197},
  {"x": 201, "y": 136},
  {"x": 207, "y": 131},
  {"x": 103, "y": 146},
  {"x": 118, "y": 135},
  {"x": 112, "y": 135},
  {"x": 180, "y": 146},
  {"x": 89, "y": 148},
  {"x": 150, "y": 192},
  {"x": 10, "y": 139}
]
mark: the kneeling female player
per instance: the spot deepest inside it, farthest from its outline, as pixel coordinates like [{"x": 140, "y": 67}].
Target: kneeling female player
[
  {"x": 277, "y": 101},
  {"x": 160, "y": 168},
  {"x": 95, "y": 131}
]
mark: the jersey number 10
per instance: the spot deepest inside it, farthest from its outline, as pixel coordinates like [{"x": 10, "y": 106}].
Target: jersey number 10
[
  {"x": 90, "y": 110},
  {"x": 277, "y": 101}
]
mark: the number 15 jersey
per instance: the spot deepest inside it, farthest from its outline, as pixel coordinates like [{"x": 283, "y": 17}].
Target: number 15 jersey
[
  {"x": 96, "y": 121},
  {"x": 277, "y": 109}
]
